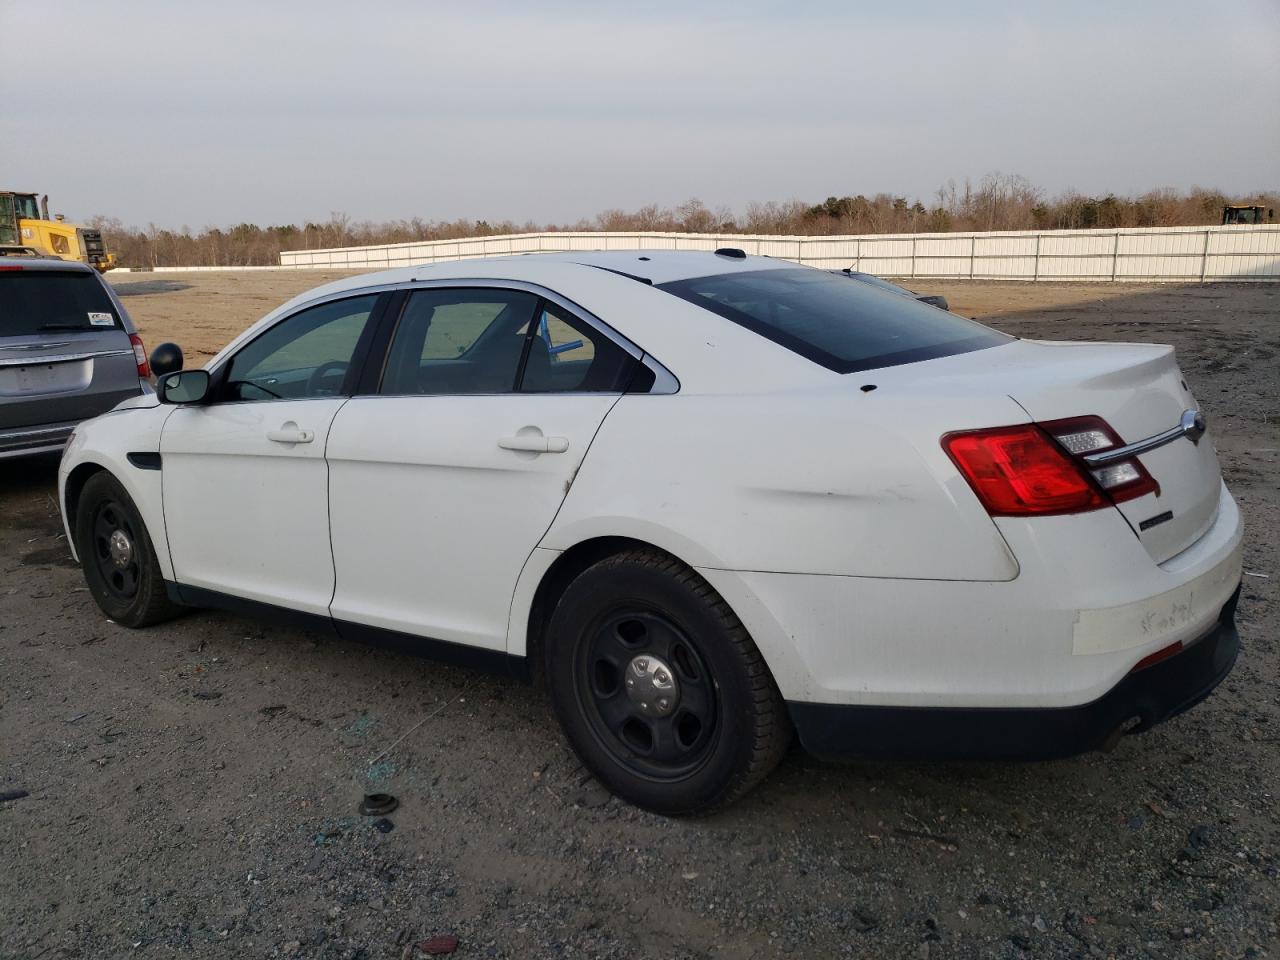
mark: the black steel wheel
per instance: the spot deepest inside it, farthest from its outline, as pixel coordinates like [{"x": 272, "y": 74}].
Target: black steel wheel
[
  {"x": 659, "y": 688},
  {"x": 648, "y": 693},
  {"x": 114, "y": 550},
  {"x": 117, "y": 556}
]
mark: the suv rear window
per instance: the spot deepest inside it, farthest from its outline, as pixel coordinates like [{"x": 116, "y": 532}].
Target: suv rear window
[
  {"x": 840, "y": 323},
  {"x": 48, "y": 301}
]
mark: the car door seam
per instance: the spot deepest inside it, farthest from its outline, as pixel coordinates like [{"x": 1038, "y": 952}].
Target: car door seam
[
  {"x": 568, "y": 488},
  {"x": 328, "y": 505}
]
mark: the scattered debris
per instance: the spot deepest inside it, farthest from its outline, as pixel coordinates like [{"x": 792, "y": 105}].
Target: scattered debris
[
  {"x": 1158, "y": 810},
  {"x": 950, "y": 843},
  {"x": 383, "y": 825},
  {"x": 1197, "y": 841},
  {"x": 78, "y": 716},
  {"x": 207, "y": 694},
  {"x": 274, "y": 710},
  {"x": 13, "y": 794},
  {"x": 377, "y": 804},
  {"x": 443, "y": 943},
  {"x": 433, "y": 714},
  {"x": 1260, "y": 576}
]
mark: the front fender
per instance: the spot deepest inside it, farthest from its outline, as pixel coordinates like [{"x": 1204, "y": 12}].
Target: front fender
[{"x": 105, "y": 443}]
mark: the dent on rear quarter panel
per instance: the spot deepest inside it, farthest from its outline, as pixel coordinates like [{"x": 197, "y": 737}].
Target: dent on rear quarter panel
[{"x": 793, "y": 483}]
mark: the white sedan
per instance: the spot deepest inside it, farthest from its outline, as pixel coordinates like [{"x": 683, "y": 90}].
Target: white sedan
[{"x": 710, "y": 498}]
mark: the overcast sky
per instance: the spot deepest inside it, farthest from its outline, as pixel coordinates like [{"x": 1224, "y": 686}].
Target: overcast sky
[{"x": 215, "y": 113}]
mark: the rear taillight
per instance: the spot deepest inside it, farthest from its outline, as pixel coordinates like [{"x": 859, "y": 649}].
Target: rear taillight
[
  {"x": 1122, "y": 480},
  {"x": 1019, "y": 471},
  {"x": 1039, "y": 470},
  {"x": 140, "y": 355}
]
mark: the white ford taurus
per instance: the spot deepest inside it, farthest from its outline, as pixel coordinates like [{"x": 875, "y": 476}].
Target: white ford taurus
[{"x": 709, "y": 497}]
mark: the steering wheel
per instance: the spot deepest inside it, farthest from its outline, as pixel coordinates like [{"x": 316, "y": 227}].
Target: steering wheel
[{"x": 315, "y": 382}]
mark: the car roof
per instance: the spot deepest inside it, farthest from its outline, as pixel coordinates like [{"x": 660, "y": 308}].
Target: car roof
[
  {"x": 647, "y": 266},
  {"x": 28, "y": 262},
  {"x": 597, "y": 283}
]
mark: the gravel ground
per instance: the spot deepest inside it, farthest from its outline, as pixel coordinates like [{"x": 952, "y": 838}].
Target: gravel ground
[{"x": 193, "y": 787}]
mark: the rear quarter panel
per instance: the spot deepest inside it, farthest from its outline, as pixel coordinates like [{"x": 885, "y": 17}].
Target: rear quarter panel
[{"x": 828, "y": 481}]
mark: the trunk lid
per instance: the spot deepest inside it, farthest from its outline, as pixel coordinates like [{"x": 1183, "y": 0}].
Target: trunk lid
[{"x": 1140, "y": 392}]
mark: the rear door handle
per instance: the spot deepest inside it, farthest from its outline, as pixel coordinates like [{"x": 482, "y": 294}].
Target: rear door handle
[
  {"x": 535, "y": 443},
  {"x": 289, "y": 433}
]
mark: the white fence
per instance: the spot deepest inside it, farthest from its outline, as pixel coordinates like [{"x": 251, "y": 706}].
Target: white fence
[{"x": 1164, "y": 253}]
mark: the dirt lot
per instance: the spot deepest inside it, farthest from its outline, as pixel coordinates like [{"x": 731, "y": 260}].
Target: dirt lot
[{"x": 192, "y": 788}]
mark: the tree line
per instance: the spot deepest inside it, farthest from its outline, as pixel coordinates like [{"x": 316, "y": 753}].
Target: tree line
[{"x": 997, "y": 202}]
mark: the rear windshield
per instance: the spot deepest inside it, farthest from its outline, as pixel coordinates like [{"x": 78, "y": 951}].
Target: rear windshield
[
  {"x": 840, "y": 323},
  {"x": 53, "y": 301}
]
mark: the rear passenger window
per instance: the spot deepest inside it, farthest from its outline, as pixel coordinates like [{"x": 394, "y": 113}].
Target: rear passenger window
[
  {"x": 569, "y": 356},
  {"x": 459, "y": 342}
]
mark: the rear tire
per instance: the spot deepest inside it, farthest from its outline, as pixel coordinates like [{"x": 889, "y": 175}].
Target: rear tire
[
  {"x": 659, "y": 688},
  {"x": 117, "y": 556}
]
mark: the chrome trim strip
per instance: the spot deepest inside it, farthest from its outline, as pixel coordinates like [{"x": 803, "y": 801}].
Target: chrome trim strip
[
  {"x": 1191, "y": 426},
  {"x": 60, "y": 358},
  {"x": 50, "y": 431}
]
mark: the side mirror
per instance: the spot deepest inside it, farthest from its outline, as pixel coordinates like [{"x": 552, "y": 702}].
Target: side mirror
[
  {"x": 166, "y": 358},
  {"x": 185, "y": 386},
  {"x": 934, "y": 301}
]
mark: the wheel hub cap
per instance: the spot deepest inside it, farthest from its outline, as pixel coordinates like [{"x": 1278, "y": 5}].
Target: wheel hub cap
[
  {"x": 652, "y": 686},
  {"x": 121, "y": 549}
]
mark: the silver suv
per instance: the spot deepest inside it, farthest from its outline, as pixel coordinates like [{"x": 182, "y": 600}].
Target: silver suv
[{"x": 68, "y": 352}]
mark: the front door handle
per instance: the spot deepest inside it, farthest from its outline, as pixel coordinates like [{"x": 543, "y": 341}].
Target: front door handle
[
  {"x": 289, "y": 433},
  {"x": 535, "y": 443}
]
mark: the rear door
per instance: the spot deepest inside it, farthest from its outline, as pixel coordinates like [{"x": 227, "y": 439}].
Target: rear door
[
  {"x": 64, "y": 352},
  {"x": 245, "y": 482},
  {"x": 443, "y": 482}
]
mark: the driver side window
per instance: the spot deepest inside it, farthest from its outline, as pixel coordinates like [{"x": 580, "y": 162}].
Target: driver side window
[{"x": 303, "y": 356}]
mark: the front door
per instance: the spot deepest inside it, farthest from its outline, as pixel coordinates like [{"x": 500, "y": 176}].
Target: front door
[
  {"x": 442, "y": 484},
  {"x": 245, "y": 485}
]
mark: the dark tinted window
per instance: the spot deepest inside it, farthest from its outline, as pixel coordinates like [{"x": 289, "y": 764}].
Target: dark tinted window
[
  {"x": 451, "y": 341},
  {"x": 40, "y": 301},
  {"x": 305, "y": 355},
  {"x": 832, "y": 320},
  {"x": 568, "y": 356}
]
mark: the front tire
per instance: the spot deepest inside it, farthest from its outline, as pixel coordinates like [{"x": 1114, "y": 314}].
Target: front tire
[
  {"x": 659, "y": 688},
  {"x": 117, "y": 556}
]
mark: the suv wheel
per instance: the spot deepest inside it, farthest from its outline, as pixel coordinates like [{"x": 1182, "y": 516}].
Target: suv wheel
[{"x": 659, "y": 688}]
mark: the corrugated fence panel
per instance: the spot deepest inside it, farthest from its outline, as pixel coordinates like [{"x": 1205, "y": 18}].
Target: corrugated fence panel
[{"x": 1161, "y": 253}]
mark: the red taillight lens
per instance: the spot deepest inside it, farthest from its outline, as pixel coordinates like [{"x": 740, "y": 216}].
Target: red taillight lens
[
  {"x": 1019, "y": 471},
  {"x": 1122, "y": 480},
  {"x": 140, "y": 355}
]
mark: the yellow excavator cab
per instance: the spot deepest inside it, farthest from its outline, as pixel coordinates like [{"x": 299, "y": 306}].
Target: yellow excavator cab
[{"x": 25, "y": 222}]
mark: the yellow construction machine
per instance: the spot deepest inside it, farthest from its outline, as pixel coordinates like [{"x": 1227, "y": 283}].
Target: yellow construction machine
[{"x": 25, "y": 225}]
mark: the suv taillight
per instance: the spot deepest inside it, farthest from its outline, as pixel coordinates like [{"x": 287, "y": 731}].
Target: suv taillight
[
  {"x": 140, "y": 355},
  {"x": 1038, "y": 470}
]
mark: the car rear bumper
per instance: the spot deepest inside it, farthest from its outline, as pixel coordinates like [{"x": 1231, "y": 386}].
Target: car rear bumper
[
  {"x": 28, "y": 441},
  {"x": 1087, "y": 605},
  {"x": 1142, "y": 699}
]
